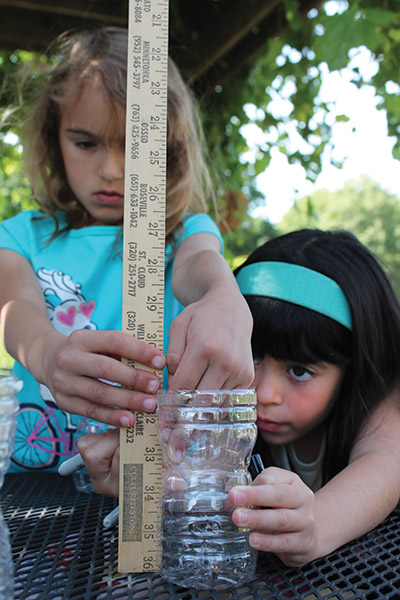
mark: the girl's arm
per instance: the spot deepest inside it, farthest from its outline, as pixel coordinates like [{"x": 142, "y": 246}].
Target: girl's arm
[
  {"x": 369, "y": 486},
  {"x": 72, "y": 366},
  {"x": 302, "y": 526},
  {"x": 210, "y": 339}
]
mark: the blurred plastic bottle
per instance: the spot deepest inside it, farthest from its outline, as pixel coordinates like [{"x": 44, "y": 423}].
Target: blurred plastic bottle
[
  {"x": 9, "y": 387},
  {"x": 207, "y": 439},
  {"x": 81, "y": 478}
]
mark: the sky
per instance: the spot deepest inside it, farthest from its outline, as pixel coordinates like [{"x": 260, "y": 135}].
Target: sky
[{"x": 362, "y": 144}]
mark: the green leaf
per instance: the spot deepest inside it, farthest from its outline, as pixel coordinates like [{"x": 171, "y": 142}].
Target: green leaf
[
  {"x": 380, "y": 17},
  {"x": 293, "y": 14},
  {"x": 351, "y": 29},
  {"x": 394, "y": 34},
  {"x": 342, "y": 119}
]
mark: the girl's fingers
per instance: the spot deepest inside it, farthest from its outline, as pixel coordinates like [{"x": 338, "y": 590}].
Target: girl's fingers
[
  {"x": 276, "y": 475},
  {"x": 274, "y": 496},
  {"x": 108, "y": 414},
  {"x": 88, "y": 440},
  {"x": 117, "y": 343},
  {"x": 201, "y": 366},
  {"x": 177, "y": 345},
  {"x": 194, "y": 363},
  {"x": 111, "y": 370},
  {"x": 99, "y": 448},
  {"x": 176, "y": 442},
  {"x": 100, "y": 452},
  {"x": 276, "y": 543},
  {"x": 185, "y": 372},
  {"x": 108, "y": 370},
  {"x": 194, "y": 372},
  {"x": 275, "y": 488},
  {"x": 214, "y": 377},
  {"x": 101, "y": 393},
  {"x": 206, "y": 366},
  {"x": 243, "y": 377},
  {"x": 99, "y": 363},
  {"x": 288, "y": 511},
  {"x": 271, "y": 520}
]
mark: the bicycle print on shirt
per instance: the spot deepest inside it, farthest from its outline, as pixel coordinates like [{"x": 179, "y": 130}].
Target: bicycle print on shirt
[{"x": 45, "y": 433}]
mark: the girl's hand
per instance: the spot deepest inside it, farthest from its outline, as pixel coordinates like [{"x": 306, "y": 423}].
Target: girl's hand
[
  {"x": 210, "y": 343},
  {"x": 100, "y": 451},
  {"x": 76, "y": 370},
  {"x": 287, "y": 526}
]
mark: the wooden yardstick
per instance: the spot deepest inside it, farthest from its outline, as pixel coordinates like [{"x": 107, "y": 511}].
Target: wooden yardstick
[{"x": 143, "y": 271}]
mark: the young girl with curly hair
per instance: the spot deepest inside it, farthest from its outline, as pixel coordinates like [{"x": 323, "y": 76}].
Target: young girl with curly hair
[{"x": 61, "y": 265}]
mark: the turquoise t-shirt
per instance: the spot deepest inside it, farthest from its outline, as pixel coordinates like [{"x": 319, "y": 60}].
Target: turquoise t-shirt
[{"x": 80, "y": 274}]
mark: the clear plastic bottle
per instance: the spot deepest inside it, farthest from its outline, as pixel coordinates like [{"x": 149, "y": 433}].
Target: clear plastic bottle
[
  {"x": 9, "y": 387},
  {"x": 207, "y": 439}
]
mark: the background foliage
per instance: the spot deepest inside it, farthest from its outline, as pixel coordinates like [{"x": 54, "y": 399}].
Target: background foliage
[
  {"x": 362, "y": 207},
  {"x": 291, "y": 68}
]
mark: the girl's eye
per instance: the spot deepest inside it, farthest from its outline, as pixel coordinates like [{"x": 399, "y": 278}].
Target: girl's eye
[
  {"x": 300, "y": 373},
  {"x": 85, "y": 144},
  {"x": 258, "y": 362}
]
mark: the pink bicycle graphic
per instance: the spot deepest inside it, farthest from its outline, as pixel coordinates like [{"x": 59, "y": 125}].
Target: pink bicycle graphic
[{"x": 40, "y": 441}]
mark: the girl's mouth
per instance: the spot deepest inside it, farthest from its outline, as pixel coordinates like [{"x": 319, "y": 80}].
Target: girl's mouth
[
  {"x": 108, "y": 197},
  {"x": 267, "y": 425}
]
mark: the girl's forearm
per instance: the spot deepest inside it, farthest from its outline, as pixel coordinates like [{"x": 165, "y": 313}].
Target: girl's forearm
[
  {"x": 27, "y": 332},
  {"x": 354, "y": 502},
  {"x": 28, "y": 335},
  {"x": 368, "y": 489},
  {"x": 200, "y": 273}
]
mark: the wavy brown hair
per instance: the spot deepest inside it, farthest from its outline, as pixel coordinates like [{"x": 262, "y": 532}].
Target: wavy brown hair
[{"x": 78, "y": 58}]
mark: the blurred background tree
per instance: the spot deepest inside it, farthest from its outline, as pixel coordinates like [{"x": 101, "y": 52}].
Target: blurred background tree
[
  {"x": 291, "y": 69},
  {"x": 361, "y": 207}
]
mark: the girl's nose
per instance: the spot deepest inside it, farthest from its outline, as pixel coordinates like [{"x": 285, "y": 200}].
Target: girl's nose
[
  {"x": 269, "y": 387},
  {"x": 112, "y": 165}
]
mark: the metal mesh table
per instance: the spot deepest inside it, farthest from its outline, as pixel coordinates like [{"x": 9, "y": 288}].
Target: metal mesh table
[{"x": 61, "y": 551}]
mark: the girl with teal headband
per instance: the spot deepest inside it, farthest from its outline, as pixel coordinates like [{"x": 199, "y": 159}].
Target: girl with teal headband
[{"x": 326, "y": 348}]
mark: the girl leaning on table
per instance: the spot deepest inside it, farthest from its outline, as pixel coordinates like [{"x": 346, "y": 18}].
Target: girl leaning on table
[
  {"x": 326, "y": 347},
  {"x": 61, "y": 265}
]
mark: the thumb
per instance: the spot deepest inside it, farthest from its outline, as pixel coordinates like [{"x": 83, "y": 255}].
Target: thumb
[{"x": 177, "y": 344}]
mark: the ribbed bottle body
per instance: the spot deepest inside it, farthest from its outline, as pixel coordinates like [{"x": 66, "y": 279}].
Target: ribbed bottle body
[{"x": 207, "y": 439}]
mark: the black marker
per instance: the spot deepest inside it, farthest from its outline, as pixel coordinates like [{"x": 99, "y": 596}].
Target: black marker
[{"x": 256, "y": 466}]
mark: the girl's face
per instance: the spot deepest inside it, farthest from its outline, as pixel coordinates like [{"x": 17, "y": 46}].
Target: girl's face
[
  {"x": 293, "y": 399},
  {"x": 92, "y": 142}
]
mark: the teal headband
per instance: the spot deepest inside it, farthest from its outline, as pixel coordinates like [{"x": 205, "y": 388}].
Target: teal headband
[{"x": 298, "y": 285}]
